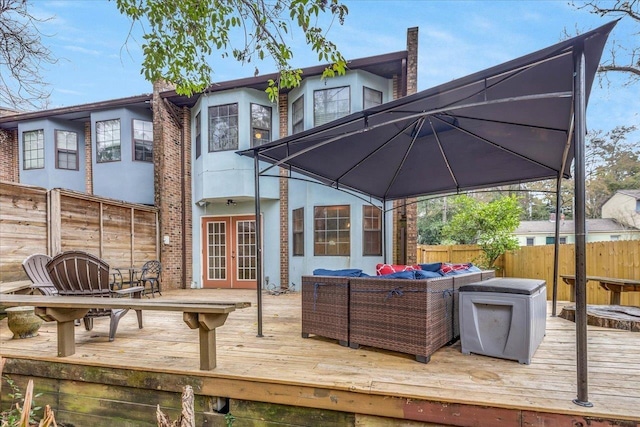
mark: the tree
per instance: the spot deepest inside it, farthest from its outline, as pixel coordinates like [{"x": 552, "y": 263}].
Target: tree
[
  {"x": 490, "y": 225},
  {"x": 624, "y": 59},
  {"x": 22, "y": 57},
  {"x": 180, "y": 37}
]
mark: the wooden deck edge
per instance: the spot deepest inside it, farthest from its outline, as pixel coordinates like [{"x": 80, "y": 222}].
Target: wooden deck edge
[{"x": 350, "y": 401}]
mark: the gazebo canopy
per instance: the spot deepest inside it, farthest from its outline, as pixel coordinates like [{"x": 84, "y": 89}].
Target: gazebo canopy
[{"x": 510, "y": 123}]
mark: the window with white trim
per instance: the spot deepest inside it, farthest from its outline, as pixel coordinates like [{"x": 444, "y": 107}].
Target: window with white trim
[
  {"x": 331, "y": 104},
  {"x": 297, "y": 115},
  {"x": 223, "y": 127},
  {"x": 370, "y": 97},
  {"x": 143, "y": 140},
  {"x": 33, "y": 149},
  {"x": 260, "y": 124},
  {"x": 108, "y": 141},
  {"x": 66, "y": 150},
  {"x": 371, "y": 230},
  {"x": 331, "y": 230}
]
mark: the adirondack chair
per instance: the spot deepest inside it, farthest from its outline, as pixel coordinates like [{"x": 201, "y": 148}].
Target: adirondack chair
[
  {"x": 76, "y": 273},
  {"x": 150, "y": 275},
  {"x": 36, "y": 268}
]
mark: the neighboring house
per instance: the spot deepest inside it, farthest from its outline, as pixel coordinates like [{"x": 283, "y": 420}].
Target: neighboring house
[
  {"x": 534, "y": 233},
  {"x": 179, "y": 154},
  {"x": 624, "y": 207}
]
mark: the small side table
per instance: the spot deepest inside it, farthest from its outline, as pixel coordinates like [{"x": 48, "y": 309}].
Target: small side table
[{"x": 23, "y": 322}]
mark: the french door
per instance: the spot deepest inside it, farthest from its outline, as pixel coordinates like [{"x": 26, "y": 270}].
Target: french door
[{"x": 229, "y": 252}]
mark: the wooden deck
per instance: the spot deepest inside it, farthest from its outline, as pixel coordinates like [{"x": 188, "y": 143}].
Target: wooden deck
[{"x": 283, "y": 368}]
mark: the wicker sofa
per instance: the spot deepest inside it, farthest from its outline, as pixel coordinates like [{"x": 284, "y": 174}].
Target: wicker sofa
[{"x": 410, "y": 316}]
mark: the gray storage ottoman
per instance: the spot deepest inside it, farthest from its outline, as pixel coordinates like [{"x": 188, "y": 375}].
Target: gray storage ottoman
[{"x": 503, "y": 318}]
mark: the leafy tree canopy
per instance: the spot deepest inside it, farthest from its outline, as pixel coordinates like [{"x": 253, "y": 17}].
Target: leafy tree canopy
[
  {"x": 490, "y": 225},
  {"x": 180, "y": 37}
]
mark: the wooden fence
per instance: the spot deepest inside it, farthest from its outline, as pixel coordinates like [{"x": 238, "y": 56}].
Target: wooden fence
[
  {"x": 609, "y": 259},
  {"x": 34, "y": 220}
]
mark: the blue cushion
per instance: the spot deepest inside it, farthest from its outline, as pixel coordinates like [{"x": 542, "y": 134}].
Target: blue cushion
[
  {"x": 473, "y": 269},
  {"x": 434, "y": 266},
  {"x": 422, "y": 274},
  {"x": 347, "y": 272},
  {"x": 397, "y": 275}
]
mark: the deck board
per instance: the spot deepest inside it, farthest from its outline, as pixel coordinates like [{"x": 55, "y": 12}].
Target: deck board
[{"x": 282, "y": 359}]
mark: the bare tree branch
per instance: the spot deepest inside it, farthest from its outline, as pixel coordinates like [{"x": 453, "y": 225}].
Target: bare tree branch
[{"x": 22, "y": 57}]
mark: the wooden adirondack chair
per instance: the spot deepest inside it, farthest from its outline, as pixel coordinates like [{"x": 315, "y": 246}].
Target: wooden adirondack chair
[
  {"x": 36, "y": 268},
  {"x": 76, "y": 273}
]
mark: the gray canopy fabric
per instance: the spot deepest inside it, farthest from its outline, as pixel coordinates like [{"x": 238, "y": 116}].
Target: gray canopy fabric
[
  {"x": 520, "y": 121},
  {"x": 510, "y": 123}
]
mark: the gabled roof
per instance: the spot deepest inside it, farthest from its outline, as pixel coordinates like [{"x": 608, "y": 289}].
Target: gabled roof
[
  {"x": 632, "y": 193},
  {"x": 597, "y": 225},
  {"x": 76, "y": 112},
  {"x": 387, "y": 66}
]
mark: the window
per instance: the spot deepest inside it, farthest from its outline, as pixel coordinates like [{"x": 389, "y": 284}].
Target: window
[
  {"x": 223, "y": 127},
  {"x": 298, "y": 232},
  {"x": 260, "y": 125},
  {"x": 198, "y": 138},
  {"x": 143, "y": 140},
  {"x": 66, "y": 150},
  {"x": 297, "y": 115},
  {"x": 108, "y": 141},
  {"x": 371, "y": 98},
  {"x": 33, "y": 147},
  {"x": 330, "y": 104},
  {"x": 550, "y": 240},
  {"x": 563, "y": 240},
  {"x": 331, "y": 230},
  {"x": 530, "y": 241},
  {"x": 615, "y": 237},
  {"x": 371, "y": 231}
]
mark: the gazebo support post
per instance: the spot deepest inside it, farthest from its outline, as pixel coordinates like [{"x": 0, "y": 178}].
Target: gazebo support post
[
  {"x": 256, "y": 166},
  {"x": 556, "y": 249},
  {"x": 580, "y": 227}
]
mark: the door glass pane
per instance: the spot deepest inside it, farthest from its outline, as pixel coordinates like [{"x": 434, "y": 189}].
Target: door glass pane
[
  {"x": 216, "y": 251},
  {"x": 246, "y": 250}
]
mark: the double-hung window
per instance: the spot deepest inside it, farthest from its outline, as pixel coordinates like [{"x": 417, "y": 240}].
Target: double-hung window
[
  {"x": 108, "y": 141},
  {"x": 143, "y": 140},
  {"x": 332, "y": 230},
  {"x": 260, "y": 124},
  {"x": 33, "y": 149},
  {"x": 371, "y": 230},
  {"x": 330, "y": 104},
  {"x": 298, "y": 231},
  {"x": 297, "y": 115},
  {"x": 198, "y": 137},
  {"x": 66, "y": 150},
  {"x": 371, "y": 97},
  {"x": 223, "y": 127}
]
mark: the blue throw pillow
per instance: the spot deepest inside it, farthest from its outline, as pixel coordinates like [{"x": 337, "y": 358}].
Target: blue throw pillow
[
  {"x": 473, "y": 269},
  {"x": 397, "y": 275},
  {"x": 347, "y": 272},
  {"x": 422, "y": 274},
  {"x": 434, "y": 266}
]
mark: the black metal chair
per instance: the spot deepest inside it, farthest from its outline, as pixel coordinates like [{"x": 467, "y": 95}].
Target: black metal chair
[{"x": 151, "y": 271}]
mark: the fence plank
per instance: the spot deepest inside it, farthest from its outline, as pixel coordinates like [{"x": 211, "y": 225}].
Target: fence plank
[{"x": 608, "y": 259}]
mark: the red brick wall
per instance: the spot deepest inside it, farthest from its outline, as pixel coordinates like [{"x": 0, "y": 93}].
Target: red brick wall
[
  {"x": 168, "y": 158},
  {"x": 283, "y": 112},
  {"x": 88, "y": 156},
  {"x": 9, "y": 170},
  {"x": 188, "y": 197},
  {"x": 405, "y": 213}
]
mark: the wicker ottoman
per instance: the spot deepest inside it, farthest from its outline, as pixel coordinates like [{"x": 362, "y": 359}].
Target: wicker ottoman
[
  {"x": 325, "y": 307},
  {"x": 408, "y": 316}
]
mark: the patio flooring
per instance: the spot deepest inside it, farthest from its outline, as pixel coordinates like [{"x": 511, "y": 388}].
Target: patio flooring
[{"x": 284, "y": 368}]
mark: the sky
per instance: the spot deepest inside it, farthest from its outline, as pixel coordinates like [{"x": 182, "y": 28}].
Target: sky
[{"x": 99, "y": 57}]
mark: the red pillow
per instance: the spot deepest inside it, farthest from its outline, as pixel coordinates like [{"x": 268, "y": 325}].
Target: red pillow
[{"x": 382, "y": 269}]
